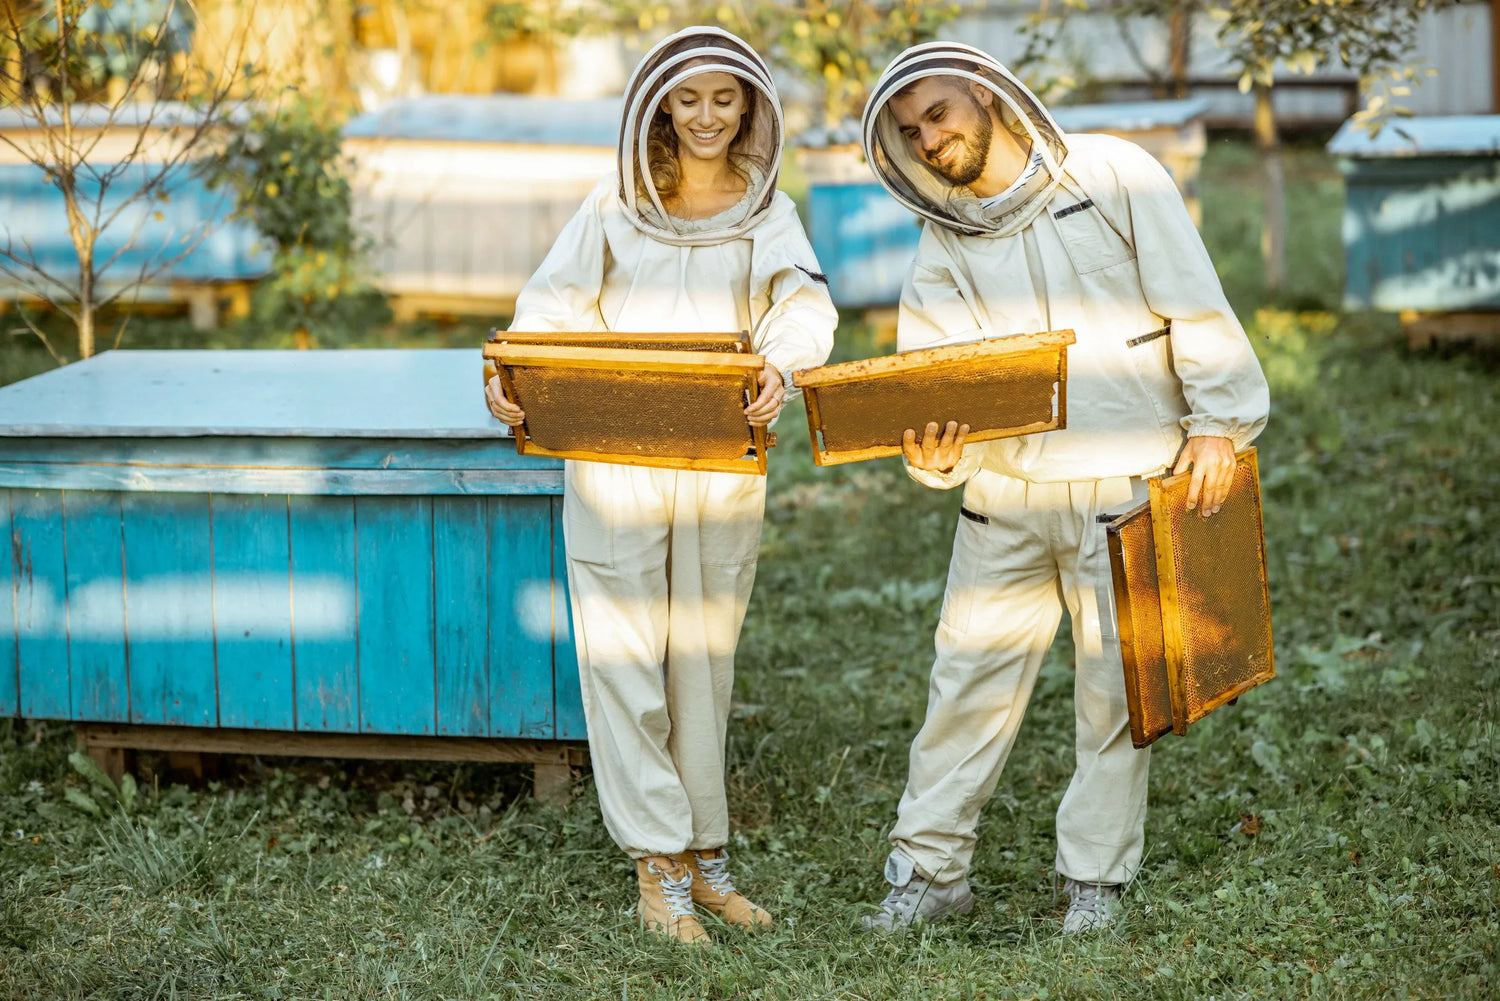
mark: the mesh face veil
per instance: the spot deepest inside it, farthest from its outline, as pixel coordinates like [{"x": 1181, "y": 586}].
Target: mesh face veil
[
  {"x": 673, "y": 61},
  {"x": 920, "y": 188}
]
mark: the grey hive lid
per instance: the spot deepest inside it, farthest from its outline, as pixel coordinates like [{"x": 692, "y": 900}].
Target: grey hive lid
[
  {"x": 493, "y": 118},
  {"x": 1436, "y": 135},
  {"x": 174, "y": 394},
  {"x": 1129, "y": 116}
]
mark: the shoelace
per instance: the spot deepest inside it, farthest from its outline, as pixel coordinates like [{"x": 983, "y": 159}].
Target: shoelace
[
  {"x": 716, "y": 874},
  {"x": 678, "y": 893},
  {"x": 903, "y": 898},
  {"x": 1084, "y": 897}
]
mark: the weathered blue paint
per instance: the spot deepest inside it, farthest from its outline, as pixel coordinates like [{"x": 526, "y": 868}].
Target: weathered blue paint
[
  {"x": 393, "y": 559},
  {"x": 10, "y": 692},
  {"x": 565, "y": 680},
  {"x": 324, "y": 628},
  {"x": 278, "y": 452},
  {"x": 41, "y": 606},
  {"x": 193, "y": 224},
  {"x": 169, "y": 613},
  {"x": 460, "y": 585},
  {"x": 1422, "y": 214},
  {"x": 230, "y": 480},
  {"x": 520, "y": 572},
  {"x": 322, "y": 566},
  {"x": 96, "y": 607},
  {"x": 252, "y": 600}
]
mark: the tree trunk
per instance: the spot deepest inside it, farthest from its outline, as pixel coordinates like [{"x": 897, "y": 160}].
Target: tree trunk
[
  {"x": 1180, "y": 37},
  {"x": 86, "y": 307},
  {"x": 1273, "y": 231}
]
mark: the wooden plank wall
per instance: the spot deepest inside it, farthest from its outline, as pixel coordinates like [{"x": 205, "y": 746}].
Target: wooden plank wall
[
  {"x": 325, "y": 648},
  {"x": 96, "y": 606},
  {"x": 371, "y": 614}
]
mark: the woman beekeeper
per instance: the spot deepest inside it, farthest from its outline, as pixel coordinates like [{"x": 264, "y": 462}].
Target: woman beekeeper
[{"x": 692, "y": 236}]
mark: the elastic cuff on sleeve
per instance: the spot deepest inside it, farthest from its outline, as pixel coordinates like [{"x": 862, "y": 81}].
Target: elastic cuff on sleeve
[
  {"x": 1210, "y": 428},
  {"x": 944, "y": 481}
]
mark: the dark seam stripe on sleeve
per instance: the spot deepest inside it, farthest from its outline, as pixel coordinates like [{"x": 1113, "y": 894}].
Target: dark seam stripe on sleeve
[
  {"x": 816, "y": 276},
  {"x": 974, "y": 516}
]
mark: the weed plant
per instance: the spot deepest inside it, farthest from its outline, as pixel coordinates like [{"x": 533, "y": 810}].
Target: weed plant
[{"x": 1334, "y": 835}]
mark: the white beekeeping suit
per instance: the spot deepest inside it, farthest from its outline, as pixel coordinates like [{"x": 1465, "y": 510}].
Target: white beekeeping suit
[
  {"x": 661, "y": 562},
  {"x": 1095, "y": 238}
]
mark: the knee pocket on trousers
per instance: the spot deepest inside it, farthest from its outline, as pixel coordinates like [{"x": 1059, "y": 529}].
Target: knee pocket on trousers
[
  {"x": 963, "y": 574},
  {"x": 729, "y": 531},
  {"x": 588, "y": 533}
]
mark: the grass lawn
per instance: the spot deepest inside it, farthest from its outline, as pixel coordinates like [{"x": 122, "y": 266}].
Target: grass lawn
[{"x": 1335, "y": 834}]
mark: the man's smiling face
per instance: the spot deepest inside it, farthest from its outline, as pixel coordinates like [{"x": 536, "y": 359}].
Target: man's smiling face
[{"x": 947, "y": 126}]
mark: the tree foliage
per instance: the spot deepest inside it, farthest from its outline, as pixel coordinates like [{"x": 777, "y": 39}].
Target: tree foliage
[
  {"x": 1367, "y": 36},
  {"x": 289, "y": 175}
]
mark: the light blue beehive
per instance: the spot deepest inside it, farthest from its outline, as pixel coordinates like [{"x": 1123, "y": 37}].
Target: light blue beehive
[
  {"x": 186, "y": 238},
  {"x": 318, "y": 542},
  {"x": 1422, "y": 214}
]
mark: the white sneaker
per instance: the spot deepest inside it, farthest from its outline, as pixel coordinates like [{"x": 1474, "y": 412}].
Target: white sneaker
[
  {"x": 1091, "y": 906},
  {"x": 915, "y": 898}
]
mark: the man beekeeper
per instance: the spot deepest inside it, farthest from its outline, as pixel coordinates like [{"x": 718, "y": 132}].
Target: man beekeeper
[{"x": 1028, "y": 229}]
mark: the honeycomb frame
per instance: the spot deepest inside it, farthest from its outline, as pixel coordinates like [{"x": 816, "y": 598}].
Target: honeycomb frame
[
  {"x": 858, "y": 410},
  {"x": 715, "y": 387}
]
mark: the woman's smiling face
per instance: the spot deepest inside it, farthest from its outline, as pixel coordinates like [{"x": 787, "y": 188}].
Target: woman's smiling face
[{"x": 706, "y": 112}]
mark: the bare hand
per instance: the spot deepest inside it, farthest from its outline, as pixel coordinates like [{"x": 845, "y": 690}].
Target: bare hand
[
  {"x": 494, "y": 395},
  {"x": 937, "y": 453},
  {"x": 764, "y": 408},
  {"x": 1211, "y": 459}
]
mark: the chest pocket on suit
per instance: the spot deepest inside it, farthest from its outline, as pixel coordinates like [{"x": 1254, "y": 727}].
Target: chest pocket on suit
[{"x": 1091, "y": 243}]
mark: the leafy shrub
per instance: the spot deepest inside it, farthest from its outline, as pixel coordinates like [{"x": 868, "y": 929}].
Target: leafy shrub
[{"x": 290, "y": 179}]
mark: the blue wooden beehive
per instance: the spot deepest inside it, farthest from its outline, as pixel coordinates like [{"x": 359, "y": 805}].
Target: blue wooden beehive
[
  {"x": 185, "y": 235},
  {"x": 1422, "y": 214},
  {"x": 308, "y": 542}
]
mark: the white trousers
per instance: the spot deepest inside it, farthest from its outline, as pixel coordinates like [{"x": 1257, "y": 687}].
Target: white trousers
[
  {"x": 660, "y": 567},
  {"x": 1021, "y": 552}
]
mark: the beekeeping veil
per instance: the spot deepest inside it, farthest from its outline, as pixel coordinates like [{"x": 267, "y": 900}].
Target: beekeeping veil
[
  {"x": 755, "y": 152},
  {"x": 927, "y": 193}
]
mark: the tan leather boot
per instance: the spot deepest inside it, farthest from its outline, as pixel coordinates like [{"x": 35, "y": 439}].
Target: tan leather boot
[
  {"x": 666, "y": 904},
  {"x": 714, "y": 891}
]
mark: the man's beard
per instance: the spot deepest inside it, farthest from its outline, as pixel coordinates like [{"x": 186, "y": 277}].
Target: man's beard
[{"x": 968, "y": 169}]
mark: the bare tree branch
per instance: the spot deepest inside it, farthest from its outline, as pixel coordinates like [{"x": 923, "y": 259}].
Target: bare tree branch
[
  {"x": 35, "y": 279},
  {"x": 41, "y": 335}
]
